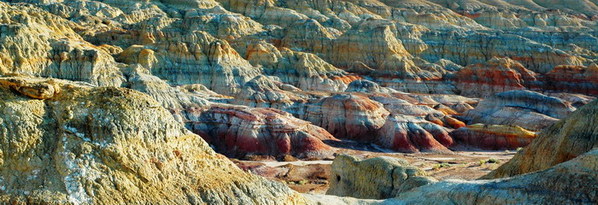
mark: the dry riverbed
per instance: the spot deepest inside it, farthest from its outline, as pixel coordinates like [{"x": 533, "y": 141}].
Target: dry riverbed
[{"x": 312, "y": 176}]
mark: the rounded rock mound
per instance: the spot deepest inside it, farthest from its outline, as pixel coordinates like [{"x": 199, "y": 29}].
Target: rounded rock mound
[{"x": 104, "y": 145}]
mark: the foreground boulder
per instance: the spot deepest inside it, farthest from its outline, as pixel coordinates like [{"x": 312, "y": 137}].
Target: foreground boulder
[
  {"x": 68, "y": 143},
  {"x": 572, "y": 182},
  {"x": 376, "y": 178}
]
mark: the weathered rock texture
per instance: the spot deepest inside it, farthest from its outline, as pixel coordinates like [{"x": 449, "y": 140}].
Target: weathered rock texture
[
  {"x": 563, "y": 141},
  {"x": 376, "y": 178},
  {"x": 561, "y": 166},
  {"x": 494, "y": 137},
  {"x": 413, "y": 46},
  {"x": 495, "y": 76},
  {"x": 527, "y": 109},
  {"x": 350, "y": 116},
  {"x": 571, "y": 182},
  {"x": 341, "y": 65},
  {"x": 310, "y": 58},
  {"x": 238, "y": 131},
  {"x": 68, "y": 143},
  {"x": 36, "y": 42}
]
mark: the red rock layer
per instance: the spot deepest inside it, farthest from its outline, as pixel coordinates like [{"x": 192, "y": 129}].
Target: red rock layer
[
  {"x": 346, "y": 116},
  {"x": 404, "y": 134},
  {"x": 496, "y": 75},
  {"x": 578, "y": 79},
  {"x": 238, "y": 131},
  {"x": 494, "y": 137}
]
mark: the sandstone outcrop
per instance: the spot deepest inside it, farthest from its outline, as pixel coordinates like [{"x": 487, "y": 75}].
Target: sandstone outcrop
[
  {"x": 412, "y": 46},
  {"x": 198, "y": 58},
  {"x": 88, "y": 144},
  {"x": 527, "y": 109},
  {"x": 563, "y": 141},
  {"x": 348, "y": 116},
  {"x": 35, "y": 42},
  {"x": 573, "y": 181},
  {"x": 239, "y": 131},
  {"x": 265, "y": 92},
  {"x": 495, "y": 76},
  {"x": 375, "y": 178},
  {"x": 493, "y": 137},
  {"x": 410, "y": 134},
  {"x": 303, "y": 70},
  {"x": 559, "y": 167},
  {"x": 300, "y": 73},
  {"x": 578, "y": 79}
]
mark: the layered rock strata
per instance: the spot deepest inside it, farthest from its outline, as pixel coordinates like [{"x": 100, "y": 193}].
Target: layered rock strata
[
  {"x": 527, "y": 109},
  {"x": 493, "y": 137},
  {"x": 563, "y": 141},
  {"x": 239, "y": 131}
]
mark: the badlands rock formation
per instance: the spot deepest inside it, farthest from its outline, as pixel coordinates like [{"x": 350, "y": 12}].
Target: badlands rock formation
[
  {"x": 281, "y": 78},
  {"x": 561, "y": 166},
  {"x": 238, "y": 131},
  {"x": 510, "y": 120},
  {"x": 563, "y": 141},
  {"x": 527, "y": 109},
  {"x": 68, "y": 143},
  {"x": 573, "y": 181},
  {"x": 493, "y": 137},
  {"x": 351, "y": 116},
  {"x": 495, "y": 76},
  {"x": 37, "y": 43},
  {"x": 299, "y": 57}
]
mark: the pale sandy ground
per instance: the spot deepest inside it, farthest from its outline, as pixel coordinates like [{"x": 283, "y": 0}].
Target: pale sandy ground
[{"x": 311, "y": 176}]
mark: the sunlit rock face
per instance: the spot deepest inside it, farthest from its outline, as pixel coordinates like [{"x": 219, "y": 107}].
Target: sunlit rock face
[
  {"x": 493, "y": 137},
  {"x": 111, "y": 145},
  {"x": 353, "y": 116},
  {"x": 37, "y": 43},
  {"x": 495, "y": 76},
  {"x": 511, "y": 119},
  {"x": 569, "y": 182}
]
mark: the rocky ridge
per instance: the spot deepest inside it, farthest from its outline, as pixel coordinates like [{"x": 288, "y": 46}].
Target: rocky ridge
[{"x": 69, "y": 143}]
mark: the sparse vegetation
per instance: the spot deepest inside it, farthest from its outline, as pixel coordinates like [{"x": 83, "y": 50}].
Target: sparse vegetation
[
  {"x": 489, "y": 161},
  {"x": 441, "y": 165},
  {"x": 303, "y": 182}
]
